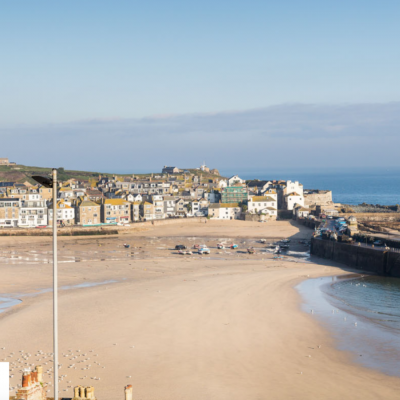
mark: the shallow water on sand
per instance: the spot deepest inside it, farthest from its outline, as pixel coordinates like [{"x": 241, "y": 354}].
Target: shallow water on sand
[
  {"x": 363, "y": 314},
  {"x": 10, "y": 300}
]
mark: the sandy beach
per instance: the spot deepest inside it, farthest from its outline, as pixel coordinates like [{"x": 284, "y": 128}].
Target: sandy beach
[{"x": 224, "y": 326}]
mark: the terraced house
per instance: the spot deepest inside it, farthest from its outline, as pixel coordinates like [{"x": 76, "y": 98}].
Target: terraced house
[
  {"x": 9, "y": 212},
  {"x": 33, "y": 211},
  {"x": 224, "y": 211},
  {"x": 87, "y": 212},
  {"x": 147, "y": 210},
  {"x": 263, "y": 205},
  {"x": 65, "y": 214},
  {"x": 135, "y": 211},
  {"x": 115, "y": 211}
]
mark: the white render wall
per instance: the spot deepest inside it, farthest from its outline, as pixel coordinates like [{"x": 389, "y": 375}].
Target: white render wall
[
  {"x": 292, "y": 200},
  {"x": 224, "y": 213}
]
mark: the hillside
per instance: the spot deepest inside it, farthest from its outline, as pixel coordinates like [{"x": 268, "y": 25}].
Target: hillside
[{"x": 23, "y": 173}]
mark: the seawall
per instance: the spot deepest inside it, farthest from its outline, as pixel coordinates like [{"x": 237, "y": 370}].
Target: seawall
[
  {"x": 103, "y": 230},
  {"x": 393, "y": 216},
  {"x": 379, "y": 261}
]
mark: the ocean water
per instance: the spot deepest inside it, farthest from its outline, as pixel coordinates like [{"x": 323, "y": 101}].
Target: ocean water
[
  {"x": 363, "y": 314},
  {"x": 349, "y": 186}
]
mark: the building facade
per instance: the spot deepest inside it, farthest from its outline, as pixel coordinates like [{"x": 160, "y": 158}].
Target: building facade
[
  {"x": 234, "y": 194},
  {"x": 33, "y": 211},
  {"x": 263, "y": 205},
  {"x": 9, "y": 212},
  {"x": 65, "y": 214},
  {"x": 115, "y": 211},
  {"x": 87, "y": 212},
  {"x": 224, "y": 211}
]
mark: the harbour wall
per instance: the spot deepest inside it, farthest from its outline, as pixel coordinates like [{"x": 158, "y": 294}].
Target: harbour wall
[
  {"x": 379, "y": 261},
  {"x": 393, "y": 216}
]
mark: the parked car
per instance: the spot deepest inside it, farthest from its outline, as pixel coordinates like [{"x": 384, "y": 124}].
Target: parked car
[{"x": 180, "y": 247}]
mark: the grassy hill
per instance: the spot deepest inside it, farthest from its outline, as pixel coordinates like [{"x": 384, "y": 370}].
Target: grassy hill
[{"x": 23, "y": 173}]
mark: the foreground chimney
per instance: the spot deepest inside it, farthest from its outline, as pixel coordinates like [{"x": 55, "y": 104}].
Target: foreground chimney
[
  {"x": 33, "y": 387},
  {"x": 39, "y": 371},
  {"x": 128, "y": 392},
  {"x": 26, "y": 379},
  {"x": 84, "y": 393}
]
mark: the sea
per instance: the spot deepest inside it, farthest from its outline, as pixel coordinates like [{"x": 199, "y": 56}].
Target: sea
[
  {"x": 349, "y": 186},
  {"x": 362, "y": 312}
]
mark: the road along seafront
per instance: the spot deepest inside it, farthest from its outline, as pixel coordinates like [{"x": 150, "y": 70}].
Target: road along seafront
[{"x": 225, "y": 326}]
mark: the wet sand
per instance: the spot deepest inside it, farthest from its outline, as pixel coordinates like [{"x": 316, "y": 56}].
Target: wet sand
[{"x": 180, "y": 327}]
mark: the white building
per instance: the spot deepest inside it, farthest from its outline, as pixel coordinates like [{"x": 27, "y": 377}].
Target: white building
[
  {"x": 65, "y": 213},
  {"x": 224, "y": 211},
  {"x": 301, "y": 212},
  {"x": 293, "y": 199},
  {"x": 169, "y": 206},
  {"x": 66, "y": 192},
  {"x": 235, "y": 179},
  {"x": 135, "y": 211},
  {"x": 263, "y": 205},
  {"x": 158, "y": 203},
  {"x": 33, "y": 211}
]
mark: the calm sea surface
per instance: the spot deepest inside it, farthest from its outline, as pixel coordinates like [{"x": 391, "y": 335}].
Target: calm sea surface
[
  {"x": 380, "y": 186},
  {"x": 363, "y": 313}
]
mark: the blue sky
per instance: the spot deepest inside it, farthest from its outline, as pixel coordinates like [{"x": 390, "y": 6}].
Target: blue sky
[{"x": 66, "y": 63}]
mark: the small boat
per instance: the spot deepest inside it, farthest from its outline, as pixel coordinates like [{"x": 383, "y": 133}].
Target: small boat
[
  {"x": 185, "y": 252},
  {"x": 251, "y": 250},
  {"x": 196, "y": 246},
  {"x": 277, "y": 250},
  {"x": 263, "y": 241},
  {"x": 284, "y": 246},
  {"x": 220, "y": 246},
  {"x": 233, "y": 246},
  {"x": 285, "y": 241},
  {"x": 204, "y": 250},
  {"x": 127, "y": 246}
]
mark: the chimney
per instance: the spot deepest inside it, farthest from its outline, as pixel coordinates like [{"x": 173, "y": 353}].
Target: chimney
[
  {"x": 39, "y": 370},
  {"x": 128, "y": 392},
  {"x": 26, "y": 379},
  {"x": 34, "y": 376},
  {"x": 90, "y": 392},
  {"x": 76, "y": 391}
]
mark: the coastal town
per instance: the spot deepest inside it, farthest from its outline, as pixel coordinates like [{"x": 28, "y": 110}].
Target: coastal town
[{"x": 172, "y": 193}]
